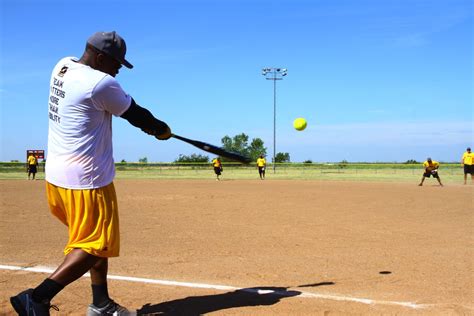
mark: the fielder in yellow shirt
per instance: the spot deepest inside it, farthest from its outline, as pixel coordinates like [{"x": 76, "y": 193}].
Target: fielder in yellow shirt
[
  {"x": 217, "y": 164},
  {"x": 261, "y": 165},
  {"x": 467, "y": 161},
  {"x": 32, "y": 163},
  {"x": 431, "y": 169}
]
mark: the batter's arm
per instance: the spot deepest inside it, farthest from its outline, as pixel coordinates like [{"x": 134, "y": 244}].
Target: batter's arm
[{"x": 143, "y": 119}]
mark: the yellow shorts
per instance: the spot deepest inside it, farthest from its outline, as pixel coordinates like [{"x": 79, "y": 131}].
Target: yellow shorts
[{"x": 91, "y": 216}]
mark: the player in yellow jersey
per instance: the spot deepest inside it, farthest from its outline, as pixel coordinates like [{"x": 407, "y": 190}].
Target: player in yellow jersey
[
  {"x": 431, "y": 169},
  {"x": 217, "y": 164},
  {"x": 261, "y": 165},
  {"x": 467, "y": 161},
  {"x": 32, "y": 166}
]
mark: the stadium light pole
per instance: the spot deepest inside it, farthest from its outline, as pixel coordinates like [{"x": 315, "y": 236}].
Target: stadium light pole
[{"x": 274, "y": 74}]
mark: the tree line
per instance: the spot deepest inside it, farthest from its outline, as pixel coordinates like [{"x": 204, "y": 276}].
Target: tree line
[{"x": 238, "y": 144}]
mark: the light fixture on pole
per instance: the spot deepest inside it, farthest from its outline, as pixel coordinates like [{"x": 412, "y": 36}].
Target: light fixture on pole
[{"x": 274, "y": 74}]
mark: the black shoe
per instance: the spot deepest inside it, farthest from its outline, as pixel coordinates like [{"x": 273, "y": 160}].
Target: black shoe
[{"x": 25, "y": 306}]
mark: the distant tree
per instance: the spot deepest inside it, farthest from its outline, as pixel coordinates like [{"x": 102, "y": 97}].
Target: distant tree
[
  {"x": 256, "y": 149},
  {"x": 237, "y": 144},
  {"x": 123, "y": 161},
  {"x": 14, "y": 160},
  {"x": 143, "y": 160},
  {"x": 343, "y": 164},
  {"x": 308, "y": 161},
  {"x": 192, "y": 158},
  {"x": 282, "y": 157},
  {"x": 411, "y": 161}
]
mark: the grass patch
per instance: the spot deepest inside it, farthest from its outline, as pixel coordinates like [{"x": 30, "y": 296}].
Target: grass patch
[{"x": 348, "y": 172}]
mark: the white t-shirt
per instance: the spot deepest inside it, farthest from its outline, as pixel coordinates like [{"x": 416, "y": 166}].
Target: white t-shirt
[{"x": 81, "y": 103}]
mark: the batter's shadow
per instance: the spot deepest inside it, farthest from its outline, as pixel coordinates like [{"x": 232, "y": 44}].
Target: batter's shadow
[{"x": 199, "y": 305}]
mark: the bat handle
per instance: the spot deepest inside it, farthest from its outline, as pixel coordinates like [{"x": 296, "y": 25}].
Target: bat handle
[{"x": 176, "y": 136}]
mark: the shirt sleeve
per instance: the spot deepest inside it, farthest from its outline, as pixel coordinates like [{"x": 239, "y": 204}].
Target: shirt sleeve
[{"x": 109, "y": 96}]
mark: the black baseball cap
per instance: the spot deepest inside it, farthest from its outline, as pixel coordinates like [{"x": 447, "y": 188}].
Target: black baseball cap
[
  {"x": 468, "y": 149},
  {"x": 112, "y": 44}
]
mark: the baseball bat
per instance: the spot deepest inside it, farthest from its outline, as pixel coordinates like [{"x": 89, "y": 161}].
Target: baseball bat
[{"x": 213, "y": 149}]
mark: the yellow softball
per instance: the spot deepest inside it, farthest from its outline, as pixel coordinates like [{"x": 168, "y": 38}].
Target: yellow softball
[{"x": 299, "y": 124}]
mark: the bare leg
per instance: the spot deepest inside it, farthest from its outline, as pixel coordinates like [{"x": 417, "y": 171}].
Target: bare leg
[
  {"x": 75, "y": 265},
  {"x": 422, "y": 180},
  {"x": 99, "y": 271}
]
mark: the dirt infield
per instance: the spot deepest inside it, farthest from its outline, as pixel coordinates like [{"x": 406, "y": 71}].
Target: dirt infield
[{"x": 276, "y": 247}]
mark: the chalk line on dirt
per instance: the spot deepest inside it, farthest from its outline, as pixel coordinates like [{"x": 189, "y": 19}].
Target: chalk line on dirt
[{"x": 42, "y": 269}]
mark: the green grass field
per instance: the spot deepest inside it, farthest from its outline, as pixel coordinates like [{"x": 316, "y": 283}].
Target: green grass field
[{"x": 449, "y": 172}]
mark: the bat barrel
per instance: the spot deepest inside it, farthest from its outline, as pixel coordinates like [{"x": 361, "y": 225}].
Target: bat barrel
[{"x": 213, "y": 149}]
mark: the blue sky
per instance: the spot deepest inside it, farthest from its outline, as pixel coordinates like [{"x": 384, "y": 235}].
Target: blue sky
[{"x": 376, "y": 80}]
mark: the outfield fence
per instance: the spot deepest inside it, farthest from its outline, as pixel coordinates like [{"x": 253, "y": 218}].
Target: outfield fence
[{"x": 331, "y": 171}]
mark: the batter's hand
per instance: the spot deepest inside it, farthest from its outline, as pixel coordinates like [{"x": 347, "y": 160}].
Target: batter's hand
[
  {"x": 163, "y": 132},
  {"x": 166, "y": 135}
]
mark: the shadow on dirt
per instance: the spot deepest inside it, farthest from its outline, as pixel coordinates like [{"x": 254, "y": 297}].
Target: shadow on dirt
[{"x": 198, "y": 305}]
